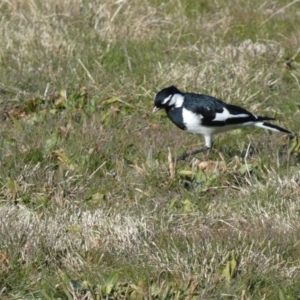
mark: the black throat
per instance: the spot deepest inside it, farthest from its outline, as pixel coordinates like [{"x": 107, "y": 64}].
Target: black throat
[{"x": 175, "y": 115}]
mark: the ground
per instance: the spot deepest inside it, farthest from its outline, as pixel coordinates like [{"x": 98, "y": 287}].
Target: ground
[{"x": 92, "y": 203}]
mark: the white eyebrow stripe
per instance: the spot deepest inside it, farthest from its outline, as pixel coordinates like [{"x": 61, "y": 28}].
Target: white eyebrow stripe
[{"x": 167, "y": 99}]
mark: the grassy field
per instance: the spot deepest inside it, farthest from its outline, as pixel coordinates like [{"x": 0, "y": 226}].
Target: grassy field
[{"x": 92, "y": 205}]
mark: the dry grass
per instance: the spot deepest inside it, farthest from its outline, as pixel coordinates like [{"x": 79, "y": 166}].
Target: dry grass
[{"x": 91, "y": 204}]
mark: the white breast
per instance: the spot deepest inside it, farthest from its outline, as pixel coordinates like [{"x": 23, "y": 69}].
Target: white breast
[{"x": 192, "y": 122}]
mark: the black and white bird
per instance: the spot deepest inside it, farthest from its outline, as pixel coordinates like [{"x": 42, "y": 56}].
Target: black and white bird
[{"x": 206, "y": 115}]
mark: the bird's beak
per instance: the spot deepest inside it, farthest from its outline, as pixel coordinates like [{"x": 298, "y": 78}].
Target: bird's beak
[{"x": 155, "y": 109}]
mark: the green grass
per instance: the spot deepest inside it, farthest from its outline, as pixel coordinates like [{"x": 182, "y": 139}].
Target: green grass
[{"x": 91, "y": 206}]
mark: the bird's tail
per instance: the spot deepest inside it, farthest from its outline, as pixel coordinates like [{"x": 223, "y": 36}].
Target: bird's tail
[{"x": 273, "y": 127}]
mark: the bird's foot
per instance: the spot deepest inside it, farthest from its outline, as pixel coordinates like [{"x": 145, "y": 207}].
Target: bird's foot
[{"x": 188, "y": 155}]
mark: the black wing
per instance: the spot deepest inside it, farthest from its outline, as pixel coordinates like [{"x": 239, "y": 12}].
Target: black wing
[{"x": 204, "y": 105}]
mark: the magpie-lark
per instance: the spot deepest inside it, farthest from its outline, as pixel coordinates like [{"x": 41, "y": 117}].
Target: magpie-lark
[{"x": 206, "y": 115}]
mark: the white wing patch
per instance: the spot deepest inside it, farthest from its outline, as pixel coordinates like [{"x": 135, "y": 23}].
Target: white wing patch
[{"x": 225, "y": 115}]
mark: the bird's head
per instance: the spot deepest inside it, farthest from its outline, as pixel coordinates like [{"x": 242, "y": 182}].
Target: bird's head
[{"x": 167, "y": 98}]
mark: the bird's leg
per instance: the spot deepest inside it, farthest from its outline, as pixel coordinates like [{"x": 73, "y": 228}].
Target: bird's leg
[
  {"x": 184, "y": 156},
  {"x": 207, "y": 153}
]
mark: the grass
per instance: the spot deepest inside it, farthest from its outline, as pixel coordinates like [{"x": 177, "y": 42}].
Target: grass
[{"x": 91, "y": 204}]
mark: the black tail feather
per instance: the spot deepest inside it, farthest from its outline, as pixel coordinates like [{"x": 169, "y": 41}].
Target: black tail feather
[
  {"x": 276, "y": 128},
  {"x": 260, "y": 118}
]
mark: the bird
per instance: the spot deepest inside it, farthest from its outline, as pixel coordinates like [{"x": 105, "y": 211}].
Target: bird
[{"x": 207, "y": 115}]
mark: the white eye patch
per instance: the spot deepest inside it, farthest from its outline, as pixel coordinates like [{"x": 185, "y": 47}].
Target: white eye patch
[
  {"x": 174, "y": 100},
  {"x": 167, "y": 99}
]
